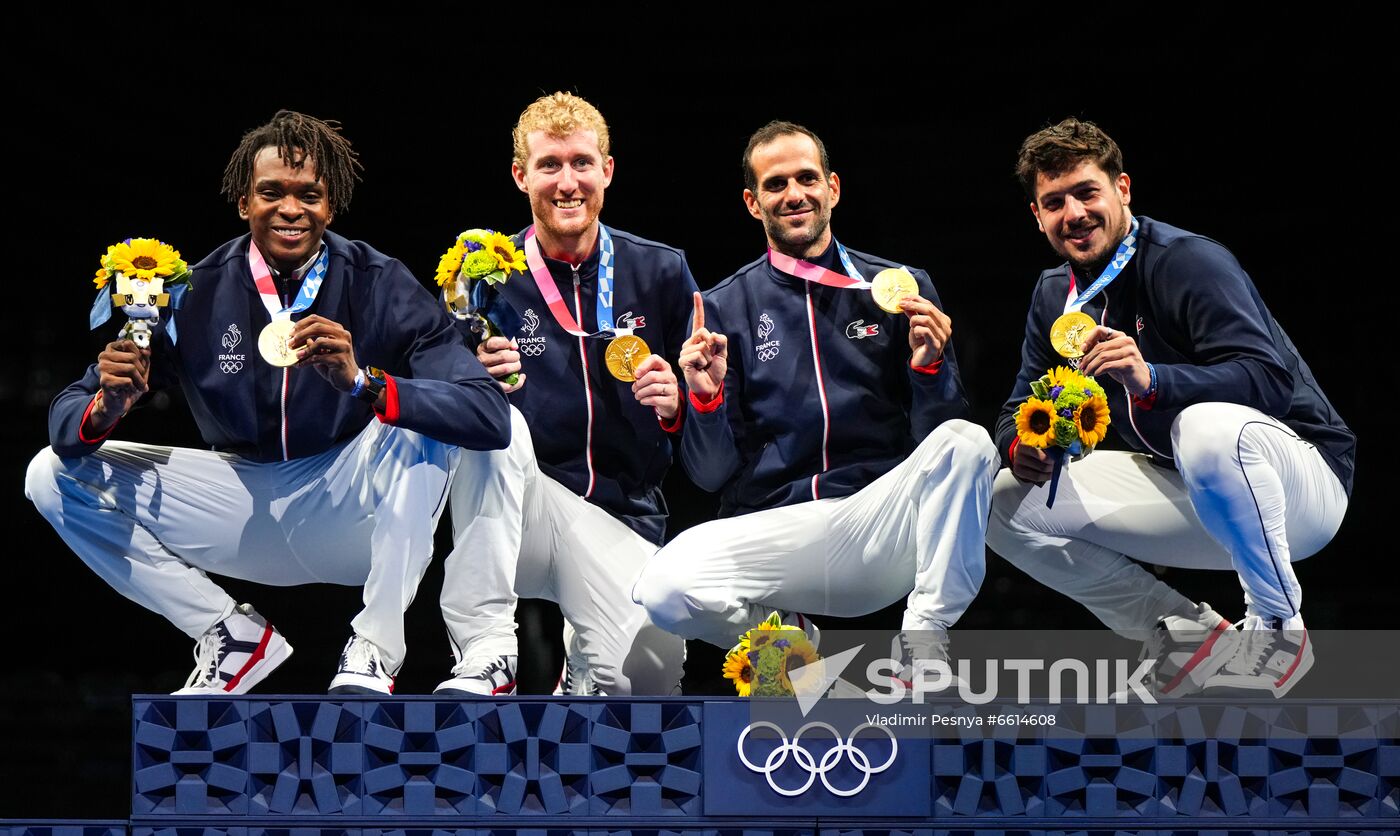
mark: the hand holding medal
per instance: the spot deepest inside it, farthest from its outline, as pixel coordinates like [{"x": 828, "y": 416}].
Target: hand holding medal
[
  {"x": 930, "y": 329},
  {"x": 1115, "y": 354}
]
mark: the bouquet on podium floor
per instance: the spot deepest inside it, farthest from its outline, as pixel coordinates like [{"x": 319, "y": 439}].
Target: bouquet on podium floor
[
  {"x": 1066, "y": 414},
  {"x": 468, "y": 272},
  {"x": 765, "y": 656}
]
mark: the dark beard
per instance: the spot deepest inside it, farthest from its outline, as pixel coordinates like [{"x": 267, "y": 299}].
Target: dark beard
[{"x": 797, "y": 248}]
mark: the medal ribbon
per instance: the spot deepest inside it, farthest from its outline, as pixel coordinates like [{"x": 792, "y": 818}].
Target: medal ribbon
[
  {"x": 807, "y": 271},
  {"x": 544, "y": 280},
  {"x": 1126, "y": 248},
  {"x": 267, "y": 289}
]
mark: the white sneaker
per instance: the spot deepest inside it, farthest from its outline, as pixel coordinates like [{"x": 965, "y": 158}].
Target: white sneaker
[
  {"x": 1188, "y": 650},
  {"x": 361, "y": 670},
  {"x": 916, "y": 650},
  {"x": 1272, "y": 655},
  {"x": 236, "y": 654},
  {"x": 484, "y": 676},
  {"x": 575, "y": 680}
]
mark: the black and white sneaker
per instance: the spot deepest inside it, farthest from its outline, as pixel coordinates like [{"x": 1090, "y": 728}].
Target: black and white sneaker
[
  {"x": 236, "y": 654},
  {"x": 1270, "y": 658},
  {"x": 361, "y": 670},
  {"x": 1187, "y": 649},
  {"x": 482, "y": 676}
]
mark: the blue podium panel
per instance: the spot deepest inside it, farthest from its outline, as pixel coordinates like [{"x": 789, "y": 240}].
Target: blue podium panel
[
  {"x": 814, "y": 769},
  {"x": 62, "y": 828},
  {"x": 646, "y": 759},
  {"x": 190, "y": 757},
  {"x": 307, "y": 766}
]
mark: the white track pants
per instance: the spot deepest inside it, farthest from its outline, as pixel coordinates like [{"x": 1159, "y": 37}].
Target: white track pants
[
  {"x": 151, "y": 521},
  {"x": 1250, "y": 495},
  {"x": 518, "y": 532},
  {"x": 921, "y": 525}
]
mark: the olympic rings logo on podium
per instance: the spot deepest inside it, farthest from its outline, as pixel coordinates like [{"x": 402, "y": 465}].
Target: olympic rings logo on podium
[{"x": 807, "y": 761}]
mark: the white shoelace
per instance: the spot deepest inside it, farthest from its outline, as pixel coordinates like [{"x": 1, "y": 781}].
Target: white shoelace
[
  {"x": 206, "y": 660},
  {"x": 361, "y": 657}
]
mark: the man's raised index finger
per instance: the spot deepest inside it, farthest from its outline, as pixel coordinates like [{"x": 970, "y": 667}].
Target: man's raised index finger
[{"x": 699, "y": 311}]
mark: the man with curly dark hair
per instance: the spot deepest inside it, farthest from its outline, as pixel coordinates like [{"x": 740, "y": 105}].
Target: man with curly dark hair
[{"x": 302, "y": 484}]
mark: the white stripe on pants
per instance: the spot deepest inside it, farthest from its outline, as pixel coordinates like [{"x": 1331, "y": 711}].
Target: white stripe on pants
[
  {"x": 921, "y": 525},
  {"x": 151, "y": 521},
  {"x": 518, "y": 532},
  {"x": 1250, "y": 496}
]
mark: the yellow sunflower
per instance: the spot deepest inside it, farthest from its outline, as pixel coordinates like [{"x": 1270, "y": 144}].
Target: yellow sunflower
[
  {"x": 451, "y": 262},
  {"x": 1035, "y": 423},
  {"x": 1068, "y": 378},
  {"x": 800, "y": 654},
  {"x": 1092, "y": 420},
  {"x": 737, "y": 668},
  {"x": 144, "y": 258},
  {"x": 507, "y": 256},
  {"x": 102, "y": 277}
]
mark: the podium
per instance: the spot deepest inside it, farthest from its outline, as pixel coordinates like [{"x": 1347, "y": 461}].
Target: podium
[{"x": 546, "y": 766}]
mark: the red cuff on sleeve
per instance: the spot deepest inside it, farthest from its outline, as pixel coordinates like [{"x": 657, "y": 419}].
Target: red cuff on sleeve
[
  {"x": 1015, "y": 442},
  {"x": 931, "y": 368},
  {"x": 1145, "y": 403},
  {"x": 390, "y": 415},
  {"x": 706, "y": 407},
  {"x": 674, "y": 425},
  {"x": 83, "y": 423}
]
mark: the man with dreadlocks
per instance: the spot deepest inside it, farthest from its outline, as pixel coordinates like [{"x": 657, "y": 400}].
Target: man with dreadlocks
[{"x": 302, "y": 485}]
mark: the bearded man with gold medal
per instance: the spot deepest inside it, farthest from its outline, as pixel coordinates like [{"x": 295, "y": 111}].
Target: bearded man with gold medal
[
  {"x": 824, "y": 402},
  {"x": 1240, "y": 461},
  {"x": 574, "y": 508},
  {"x": 334, "y": 394}
]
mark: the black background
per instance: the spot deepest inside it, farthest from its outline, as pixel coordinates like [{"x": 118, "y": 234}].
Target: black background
[{"x": 121, "y": 125}]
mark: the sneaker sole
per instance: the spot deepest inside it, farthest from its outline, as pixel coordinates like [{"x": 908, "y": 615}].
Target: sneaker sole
[{"x": 447, "y": 689}]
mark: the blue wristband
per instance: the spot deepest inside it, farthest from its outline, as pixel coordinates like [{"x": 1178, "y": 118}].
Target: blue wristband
[
  {"x": 360, "y": 383},
  {"x": 1152, "y": 382}
]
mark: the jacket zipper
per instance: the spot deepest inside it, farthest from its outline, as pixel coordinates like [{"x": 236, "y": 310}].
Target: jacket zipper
[
  {"x": 587, "y": 390},
  {"x": 821, "y": 388},
  {"x": 286, "y": 374}
]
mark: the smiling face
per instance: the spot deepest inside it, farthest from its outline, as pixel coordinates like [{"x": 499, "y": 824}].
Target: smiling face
[
  {"x": 794, "y": 196},
  {"x": 1083, "y": 213},
  {"x": 565, "y": 178},
  {"x": 286, "y": 208}
]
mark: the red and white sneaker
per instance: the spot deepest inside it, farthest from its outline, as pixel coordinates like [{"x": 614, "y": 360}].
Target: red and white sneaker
[
  {"x": 1189, "y": 649},
  {"x": 1272, "y": 655},
  {"x": 236, "y": 654}
]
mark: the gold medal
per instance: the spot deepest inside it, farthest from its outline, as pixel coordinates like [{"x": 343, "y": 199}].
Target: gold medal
[
  {"x": 1068, "y": 332},
  {"x": 890, "y": 286},
  {"x": 624, "y": 355},
  {"x": 272, "y": 343}
]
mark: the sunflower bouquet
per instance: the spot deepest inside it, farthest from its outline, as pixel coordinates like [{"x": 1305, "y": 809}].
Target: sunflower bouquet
[
  {"x": 1067, "y": 414},
  {"x": 478, "y": 260},
  {"x": 147, "y": 275},
  {"x": 765, "y": 656}
]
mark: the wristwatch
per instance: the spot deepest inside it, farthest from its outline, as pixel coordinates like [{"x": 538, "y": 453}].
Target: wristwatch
[{"x": 368, "y": 384}]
